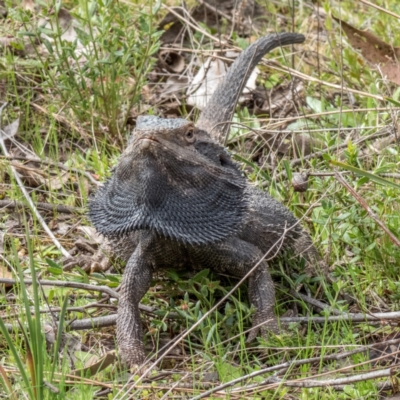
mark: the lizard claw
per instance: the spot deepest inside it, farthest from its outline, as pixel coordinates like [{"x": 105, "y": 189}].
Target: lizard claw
[
  {"x": 270, "y": 326},
  {"x": 93, "y": 261}
]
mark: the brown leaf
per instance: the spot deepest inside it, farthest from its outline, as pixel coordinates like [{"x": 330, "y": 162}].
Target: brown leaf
[
  {"x": 7, "y": 383},
  {"x": 380, "y": 55},
  {"x": 97, "y": 366}
]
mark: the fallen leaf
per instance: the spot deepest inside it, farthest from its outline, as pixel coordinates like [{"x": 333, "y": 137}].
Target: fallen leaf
[
  {"x": 97, "y": 366},
  {"x": 204, "y": 83},
  {"x": 11, "y": 130},
  {"x": 56, "y": 182},
  {"x": 5, "y": 273},
  {"x": 174, "y": 86},
  {"x": 380, "y": 55},
  {"x": 207, "y": 79}
]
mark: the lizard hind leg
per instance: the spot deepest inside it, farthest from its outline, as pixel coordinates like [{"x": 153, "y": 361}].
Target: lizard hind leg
[
  {"x": 236, "y": 257},
  {"x": 262, "y": 296}
]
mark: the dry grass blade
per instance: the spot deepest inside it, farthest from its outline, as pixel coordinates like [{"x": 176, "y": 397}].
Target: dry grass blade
[
  {"x": 367, "y": 208},
  {"x": 26, "y": 194},
  {"x": 7, "y": 383}
]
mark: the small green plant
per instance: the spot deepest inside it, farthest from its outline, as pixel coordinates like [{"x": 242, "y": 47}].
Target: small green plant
[{"x": 93, "y": 62}]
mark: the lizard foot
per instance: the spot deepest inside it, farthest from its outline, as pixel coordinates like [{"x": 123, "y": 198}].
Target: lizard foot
[
  {"x": 270, "y": 325},
  {"x": 93, "y": 261}
]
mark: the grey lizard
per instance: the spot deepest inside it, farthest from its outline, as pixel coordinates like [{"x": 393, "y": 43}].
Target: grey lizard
[{"x": 176, "y": 198}]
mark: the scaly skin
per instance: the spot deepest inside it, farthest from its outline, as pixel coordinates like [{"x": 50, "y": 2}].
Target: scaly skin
[{"x": 176, "y": 198}]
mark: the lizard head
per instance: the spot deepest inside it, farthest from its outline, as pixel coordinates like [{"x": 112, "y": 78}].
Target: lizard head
[
  {"x": 166, "y": 182},
  {"x": 174, "y": 134}
]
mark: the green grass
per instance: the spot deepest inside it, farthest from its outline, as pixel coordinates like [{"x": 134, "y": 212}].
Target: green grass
[{"x": 79, "y": 111}]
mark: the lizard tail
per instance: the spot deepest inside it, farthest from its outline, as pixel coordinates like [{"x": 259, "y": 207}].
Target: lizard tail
[{"x": 217, "y": 115}]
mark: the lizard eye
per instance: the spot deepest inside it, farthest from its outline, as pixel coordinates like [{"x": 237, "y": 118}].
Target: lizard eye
[{"x": 189, "y": 135}]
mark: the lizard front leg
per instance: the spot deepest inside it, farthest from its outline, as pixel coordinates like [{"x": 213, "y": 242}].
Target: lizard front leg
[
  {"x": 262, "y": 296},
  {"x": 136, "y": 282}
]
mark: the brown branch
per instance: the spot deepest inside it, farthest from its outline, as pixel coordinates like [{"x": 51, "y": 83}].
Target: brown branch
[{"x": 109, "y": 320}]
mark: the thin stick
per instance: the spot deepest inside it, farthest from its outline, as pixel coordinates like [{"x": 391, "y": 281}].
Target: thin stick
[
  {"x": 367, "y": 208},
  {"x": 338, "y": 381},
  {"x": 381, "y": 9},
  {"x": 44, "y": 206},
  {"x": 108, "y": 320},
  {"x": 26, "y": 194},
  {"x": 75, "y": 285},
  {"x": 316, "y": 303}
]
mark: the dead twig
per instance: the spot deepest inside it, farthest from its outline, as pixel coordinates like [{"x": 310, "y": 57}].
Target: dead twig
[
  {"x": 109, "y": 320},
  {"x": 40, "y": 205},
  {"x": 389, "y": 175},
  {"x": 397, "y": 16},
  {"x": 81, "y": 309},
  {"x": 75, "y": 285},
  {"x": 316, "y": 303},
  {"x": 353, "y": 317},
  {"x": 338, "y": 382}
]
